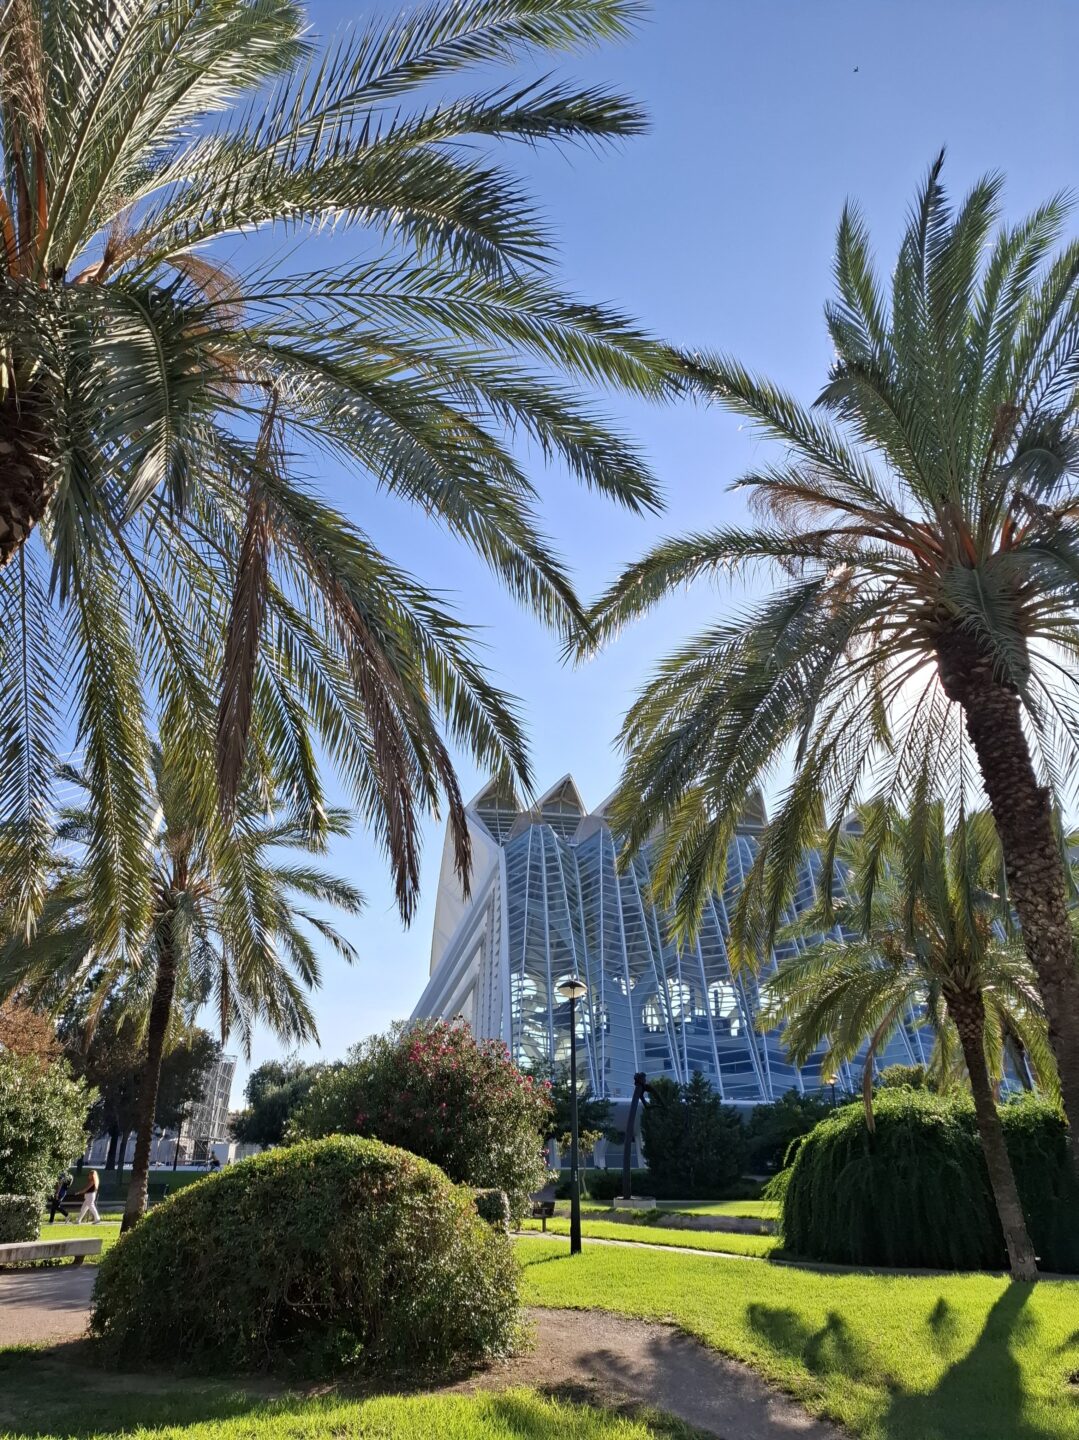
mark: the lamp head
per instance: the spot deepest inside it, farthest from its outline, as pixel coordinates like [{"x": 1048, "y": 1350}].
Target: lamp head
[{"x": 572, "y": 987}]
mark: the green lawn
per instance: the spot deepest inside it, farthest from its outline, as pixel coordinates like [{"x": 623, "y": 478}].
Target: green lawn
[
  {"x": 47, "y": 1397},
  {"x": 958, "y": 1357},
  {"x": 746, "y": 1209},
  {"x": 715, "y": 1240}
]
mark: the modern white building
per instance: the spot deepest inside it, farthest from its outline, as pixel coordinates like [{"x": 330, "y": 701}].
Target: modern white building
[{"x": 547, "y": 899}]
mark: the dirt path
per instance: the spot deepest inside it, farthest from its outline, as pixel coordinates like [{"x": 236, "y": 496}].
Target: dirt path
[
  {"x": 590, "y": 1355},
  {"x": 38, "y": 1305}
]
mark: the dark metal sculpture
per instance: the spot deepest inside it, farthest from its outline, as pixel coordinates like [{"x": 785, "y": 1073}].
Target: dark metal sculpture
[{"x": 640, "y": 1090}]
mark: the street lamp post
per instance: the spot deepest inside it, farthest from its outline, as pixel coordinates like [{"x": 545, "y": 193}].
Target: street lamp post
[
  {"x": 572, "y": 988},
  {"x": 833, "y": 1080}
]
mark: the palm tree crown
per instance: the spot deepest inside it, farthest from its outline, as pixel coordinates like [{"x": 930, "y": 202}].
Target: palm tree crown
[
  {"x": 165, "y": 565},
  {"x": 924, "y": 638},
  {"x": 232, "y": 924},
  {"x": 921, "y": 937},
  {"x": 929, "y": 934}
]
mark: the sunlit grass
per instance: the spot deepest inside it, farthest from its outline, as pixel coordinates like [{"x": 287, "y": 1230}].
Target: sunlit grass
[
  {"x": 721, "y": 1242},
  {"x": 44, "y": 1395},
  {"x": 958, "y": 1357}
]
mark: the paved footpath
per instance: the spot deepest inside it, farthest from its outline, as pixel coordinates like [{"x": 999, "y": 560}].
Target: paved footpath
[
  {"x": 45, "y": 1304},
  {"x": 584, "y": 1355}
]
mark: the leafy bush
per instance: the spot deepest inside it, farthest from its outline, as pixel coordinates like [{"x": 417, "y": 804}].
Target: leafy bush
[
  {"x": 904, "y": 1077},
  {"x": 312, "y": 1256},
  {"x": 432, "y": 1088},
  {"x": 493, "y": 1206},
  {"x": 915, "y": 1192},
  {"x": 772, "y": 1128},
  {"x": 42, "y": 1123},
  {"x": 692, "y": 1141},
  {"x": 20, "y": 1218}
]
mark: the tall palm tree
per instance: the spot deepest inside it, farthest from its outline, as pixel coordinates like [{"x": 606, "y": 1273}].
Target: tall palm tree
[
  {"x": 925, "y": 632},
  {"x": 230, "y": 927},
  {"x": 165, "y": 383},
  {"x": 926, "y": 935}
]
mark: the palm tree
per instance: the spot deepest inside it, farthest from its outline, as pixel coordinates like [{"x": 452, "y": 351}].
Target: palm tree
[
  {"x": 164, "y": 562},
  {"x": 927, "y": 936},
  {"x": 925, "y": 632},
  {"x": 230, "y": 927}
]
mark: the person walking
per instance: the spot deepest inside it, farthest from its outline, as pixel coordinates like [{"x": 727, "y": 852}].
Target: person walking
[
  {"x": 89, "y": 1199},
  {"x": 59, "y": 1195}
]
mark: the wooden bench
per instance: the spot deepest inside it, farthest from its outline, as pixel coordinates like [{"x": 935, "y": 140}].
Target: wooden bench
[
  {"x": 542, "y": 1210},
  {"x": 78, "y": 1246}
]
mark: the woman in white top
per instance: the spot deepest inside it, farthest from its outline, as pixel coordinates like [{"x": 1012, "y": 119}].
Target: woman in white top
[{"x": 89, "y": 1199}]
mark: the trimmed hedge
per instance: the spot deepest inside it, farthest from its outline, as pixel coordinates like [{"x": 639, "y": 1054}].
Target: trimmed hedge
[
  {"x": 20, "y": 1218},
  {"x": 604, "y": 1185},
  {"x": 915, "y": 1192},
  {"x": 312, "y": 1257}
]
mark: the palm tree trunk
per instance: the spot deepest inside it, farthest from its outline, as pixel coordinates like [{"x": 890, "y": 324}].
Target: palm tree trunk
[
  {"x": 27, "y": 482},
  {"x": 110, "y": 1158},
  {"x": 1024, "y": 820},
  {"x": 968, "y": 1011},
  {"x": 156, "y": 1033}
]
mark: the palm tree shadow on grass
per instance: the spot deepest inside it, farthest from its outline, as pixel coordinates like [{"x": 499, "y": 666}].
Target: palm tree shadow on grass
[{"x": 984, "y": 1386}]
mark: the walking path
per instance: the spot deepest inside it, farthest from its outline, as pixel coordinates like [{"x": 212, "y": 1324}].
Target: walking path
[
  {"x": 583, "y": 1355},
  {"x": 39, "y": 1305}
]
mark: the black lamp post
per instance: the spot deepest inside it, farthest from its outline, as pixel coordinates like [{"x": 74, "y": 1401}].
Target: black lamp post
[
  {"x": 572, "y": 988},
  {"x": 833, "y": 1080}
]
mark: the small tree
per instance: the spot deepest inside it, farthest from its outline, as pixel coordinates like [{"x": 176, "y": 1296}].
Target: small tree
[
  {"x": 275, "y": 1092},
  {"x": 436, "y": 1090},
  {"x": 593, "y": 1113},
  {"x": 692, "y": 1141},
  {"x": 772, "y": 1128},
  {"x": 42, "y": 1123}
]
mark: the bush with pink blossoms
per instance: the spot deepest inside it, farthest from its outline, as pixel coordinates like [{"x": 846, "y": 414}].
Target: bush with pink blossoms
[{"x": 436, "y": 1090}]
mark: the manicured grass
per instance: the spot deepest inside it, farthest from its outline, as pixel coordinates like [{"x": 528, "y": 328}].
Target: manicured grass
[
  {"x": 715, "y": 1240},
  {"x": 108, "y": 1232},
  {"x": 748, "y": 1209},
  {"x": 52, "y": 1399},
  {"x": 957, "y": 1357}
]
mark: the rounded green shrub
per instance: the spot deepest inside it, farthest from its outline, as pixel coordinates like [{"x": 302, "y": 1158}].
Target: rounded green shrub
[
  {"x": 311, "y": 1257},
  {"x": 915, "y": 1191}
]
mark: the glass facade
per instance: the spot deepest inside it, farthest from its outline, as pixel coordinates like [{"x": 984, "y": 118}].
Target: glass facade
[{"x": 648, "y": 1007}]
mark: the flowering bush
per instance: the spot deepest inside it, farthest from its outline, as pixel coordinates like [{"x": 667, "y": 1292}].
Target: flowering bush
[{"x": 436, "y": 1090}]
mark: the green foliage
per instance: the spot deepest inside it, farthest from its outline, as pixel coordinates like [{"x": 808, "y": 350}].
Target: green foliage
[
  {"x": 275, "y": 1092},
  {"x": 694, "y": 1143},
  {"x": 42, "y": 1123},
  {"x": 772, "y": 1128},
  {"x": 114, "y": 1060},
  {"x": 311, "y": 1257},
  {"x": 593, "y": 1112},
  {"x": 915, "y": 1191},
  {"x": 20, "y": 1218},
  {"x": 178, "y": 382},
  {"x": 904, "y": 1077},
  {"x": 493, "y": 1206},
  {"x": 432, "y": 1088}
]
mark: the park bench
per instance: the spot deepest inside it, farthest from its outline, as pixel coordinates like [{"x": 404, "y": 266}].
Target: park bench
[
  {"x": 79, "y": 1246},
  {"x": 543, "y": 1205}
]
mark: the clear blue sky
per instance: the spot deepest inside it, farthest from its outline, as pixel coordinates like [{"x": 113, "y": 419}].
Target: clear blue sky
[{"x": 714, "y": 229}]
